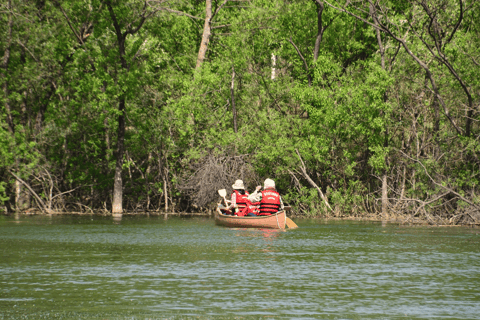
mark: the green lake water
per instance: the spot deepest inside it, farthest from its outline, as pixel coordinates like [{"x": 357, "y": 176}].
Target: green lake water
[{"x": 67, "y": 267}]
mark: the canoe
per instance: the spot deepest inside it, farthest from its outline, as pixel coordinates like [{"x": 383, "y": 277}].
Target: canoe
[{"x": 276, "y": 221}]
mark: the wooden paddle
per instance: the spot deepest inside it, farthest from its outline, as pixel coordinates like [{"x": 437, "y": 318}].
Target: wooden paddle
[
  {"x": 290, "y": 223},
  {"x": 223, "y": 193}
]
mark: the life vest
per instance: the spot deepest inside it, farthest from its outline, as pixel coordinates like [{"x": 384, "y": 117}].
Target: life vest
[
  {"x": 270, "y": 202},
  {"x": 241, "y": 199},
  {"x": 248, "y": 209}
]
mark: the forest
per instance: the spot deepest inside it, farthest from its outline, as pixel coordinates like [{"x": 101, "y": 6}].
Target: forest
[{"x": 355, "y": 108}]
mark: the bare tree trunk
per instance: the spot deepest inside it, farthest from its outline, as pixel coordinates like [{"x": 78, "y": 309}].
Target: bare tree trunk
[
  {"x": 18, "y": 195},
  {"x": 117, "y": 204},
  {"x": 382, "y": 62},
  {"x": 206, "y": 34},
  {"x": 384, "y": 196},
  {"x": 320, "y": 29},
  {"x": 207, "y": 30},
  {"x": 404, "y": 178},
  {"x": 165, "y": 191}
]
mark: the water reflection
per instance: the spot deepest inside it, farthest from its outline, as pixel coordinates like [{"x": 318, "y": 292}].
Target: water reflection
[
  {"x": 247, "y": 239},
  {"x": 271, "y": 233},
  {"x": 117, "y": 218},
  {"x": 256, "y": 233}
]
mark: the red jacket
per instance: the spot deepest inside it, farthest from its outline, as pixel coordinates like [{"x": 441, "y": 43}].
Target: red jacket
[
  {"x": 241, "y": 199},
  {"x": 270, "y": 202}
]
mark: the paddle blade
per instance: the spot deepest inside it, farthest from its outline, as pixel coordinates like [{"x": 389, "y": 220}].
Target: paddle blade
[
  {"x": 291, "y": 224},
  {"x": 222, "y": 193}
]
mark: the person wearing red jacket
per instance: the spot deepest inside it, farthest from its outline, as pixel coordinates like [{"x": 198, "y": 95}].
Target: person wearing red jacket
[
  {"x": 239, "y": 198},
  {"x": 269, "y": 200},
  {"x": 252, "y": 208}
]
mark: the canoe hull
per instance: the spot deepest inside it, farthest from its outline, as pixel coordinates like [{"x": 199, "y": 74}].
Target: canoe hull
[{"x": 277, "y": 221}]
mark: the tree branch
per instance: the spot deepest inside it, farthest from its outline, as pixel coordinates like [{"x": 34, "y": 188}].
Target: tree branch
[
  {"x": 459, "y": 21},
  {"x": 304, "y": 61},
  {"x": 218, "y": 9},
  {"x": 39, "y": 200},
  {"x": 80, "y": 40},
  {"x": 436, "y": 183},
  {"x": 304, "y": 173}
]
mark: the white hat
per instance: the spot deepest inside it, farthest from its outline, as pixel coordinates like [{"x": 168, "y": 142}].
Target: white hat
[
  {"x": 238, "y": 185},
  {"x": 269, "y": 183}
]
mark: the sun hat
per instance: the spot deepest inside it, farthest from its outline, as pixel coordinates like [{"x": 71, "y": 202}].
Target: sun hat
[
  {"x": 238, "y": 185},
  {"x": 269, "y": 183}
]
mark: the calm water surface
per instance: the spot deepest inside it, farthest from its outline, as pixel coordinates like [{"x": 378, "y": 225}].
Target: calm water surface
[{"x": 151, "y": 268}]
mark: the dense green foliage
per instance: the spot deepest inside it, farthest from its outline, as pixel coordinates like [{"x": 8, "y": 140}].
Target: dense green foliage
[{"x": 328, "y": 97}]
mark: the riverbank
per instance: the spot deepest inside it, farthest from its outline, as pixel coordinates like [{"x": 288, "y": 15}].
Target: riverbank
[
  {"x": 397, "y": 219},
  {"x": 106, "y": 213}
]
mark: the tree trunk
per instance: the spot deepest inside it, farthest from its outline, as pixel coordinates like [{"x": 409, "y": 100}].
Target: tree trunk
[
  {"x": 206, "y": 34},
  {"x": 320, "y": 29},
  {"x": 404, "y": 178},
  {"x": 165, "y": 191},
  {"x": 382, "y": 62},
  {"x": 384, "y": 196},
  {"x": 117, "y": 206},
  {"x": 19, "y": 205},
  {"x": 147, "y": 176}
]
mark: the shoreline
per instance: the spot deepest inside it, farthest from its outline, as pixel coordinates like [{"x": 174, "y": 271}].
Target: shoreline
[{"x": 401, "y": 221}]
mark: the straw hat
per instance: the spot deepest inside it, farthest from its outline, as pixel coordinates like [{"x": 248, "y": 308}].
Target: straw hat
[
  {"x": 238, "y": 185},
  {"x": 269, "y": 183}
]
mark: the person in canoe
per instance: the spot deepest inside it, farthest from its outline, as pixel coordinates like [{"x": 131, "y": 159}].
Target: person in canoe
[
  {"x": 269, "y": 200},
  {"x": 239, "y": 199},
  {"x": 251, "y": 209}
]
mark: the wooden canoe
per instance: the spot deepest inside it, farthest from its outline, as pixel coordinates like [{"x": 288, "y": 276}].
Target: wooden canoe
[{"x": 276, "y": 221}]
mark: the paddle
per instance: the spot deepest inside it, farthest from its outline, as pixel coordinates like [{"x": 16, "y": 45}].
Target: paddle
[
  {"x": 223, "y": 193},
  {"x": 290, "y": 223}
]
